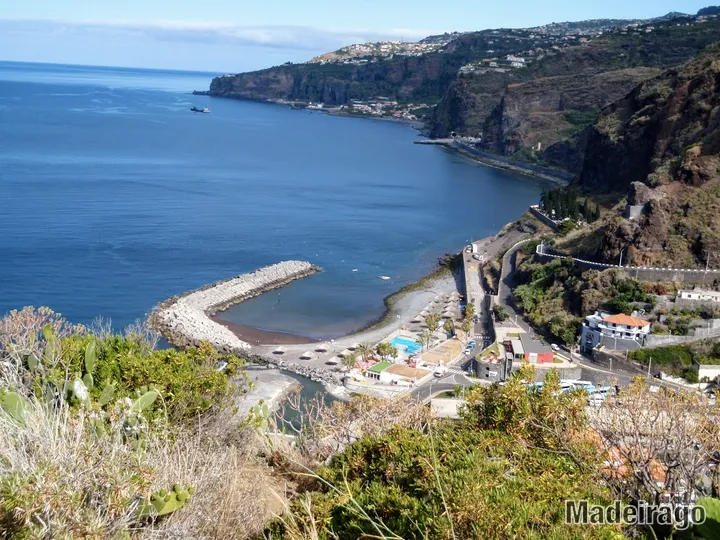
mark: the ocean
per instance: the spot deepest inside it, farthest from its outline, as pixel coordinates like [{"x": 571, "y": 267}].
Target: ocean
[{"x": 115, "y": 196}]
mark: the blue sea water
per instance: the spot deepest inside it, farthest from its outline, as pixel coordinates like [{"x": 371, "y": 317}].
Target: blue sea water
[{"x": 114, "y": 196}]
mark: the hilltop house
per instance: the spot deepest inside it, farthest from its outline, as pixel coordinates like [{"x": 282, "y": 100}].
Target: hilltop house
[{"x": 618, "y": 332}]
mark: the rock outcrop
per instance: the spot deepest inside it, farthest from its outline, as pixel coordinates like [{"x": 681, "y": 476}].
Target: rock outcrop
[
  {"x": 667, "y": 129},
  {"x": 184, "y": 320},
  {"x": 660, "y": 147}
]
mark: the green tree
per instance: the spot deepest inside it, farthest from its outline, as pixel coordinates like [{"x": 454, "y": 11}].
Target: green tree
[
  {"x": 425, "y": 338},
  {"x": 449, "y": 327},
  {"x": 466, "y": 327},
  {"x": 433, "y": 321},
  {"x": 365, "y": 351},
  {"x": 501, "y": 313},
  {"x": 349, "y": 361}
]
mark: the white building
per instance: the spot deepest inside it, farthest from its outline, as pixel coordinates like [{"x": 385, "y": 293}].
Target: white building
[
  {"x": 618, "y": 332},
  {"x": 699, "y": 295},
  {"x": 711, "y": 371},
  {"x": 400, "y": 374}
]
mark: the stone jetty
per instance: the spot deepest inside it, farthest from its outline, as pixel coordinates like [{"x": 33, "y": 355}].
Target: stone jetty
[{"x": 184, "y": 320}]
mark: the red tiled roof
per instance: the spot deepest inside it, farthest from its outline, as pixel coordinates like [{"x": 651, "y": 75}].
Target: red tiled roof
[{"x": 627, "y": 320}]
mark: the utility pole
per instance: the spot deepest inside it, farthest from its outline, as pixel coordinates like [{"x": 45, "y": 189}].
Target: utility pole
[
  {"x": 649, "y": 364},
  {"x": 707, "y": 266},
  {"x": 621, "y": 255}
]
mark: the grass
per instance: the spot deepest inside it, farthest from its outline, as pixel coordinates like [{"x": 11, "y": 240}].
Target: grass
[
  {"x": 492, "y": 350},
  {"x": 58, "y": 479}
]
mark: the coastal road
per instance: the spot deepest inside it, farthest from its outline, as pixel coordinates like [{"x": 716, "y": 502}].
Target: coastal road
[
  {"x": 442, "y": 384},
  {"x": 505, "y": 284}
]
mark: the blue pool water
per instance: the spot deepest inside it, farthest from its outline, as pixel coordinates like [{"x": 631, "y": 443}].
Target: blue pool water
[{"x": 405, "y": 344}]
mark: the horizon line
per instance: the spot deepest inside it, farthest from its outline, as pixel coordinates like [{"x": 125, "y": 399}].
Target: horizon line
[{"x": 70, "y": 64}]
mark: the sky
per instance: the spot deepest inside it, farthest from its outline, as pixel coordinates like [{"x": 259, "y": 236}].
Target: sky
[{"x": 229, "y": 36}]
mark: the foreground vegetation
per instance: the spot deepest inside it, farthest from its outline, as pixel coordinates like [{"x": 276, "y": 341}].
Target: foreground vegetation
[
  {"x": 506, "y": 468},
  {"x": 106, "y": 437}
]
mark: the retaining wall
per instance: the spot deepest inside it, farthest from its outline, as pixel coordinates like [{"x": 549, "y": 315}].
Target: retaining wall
[
  {"x": 694, "y": 276},
  {"x": 535, "y": 211}
]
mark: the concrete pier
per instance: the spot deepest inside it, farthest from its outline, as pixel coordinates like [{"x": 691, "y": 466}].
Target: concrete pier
[{"x": 183, "y": 320}]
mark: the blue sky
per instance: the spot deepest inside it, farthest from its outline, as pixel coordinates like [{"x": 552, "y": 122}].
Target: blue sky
[{"x": 239, "y": 35}]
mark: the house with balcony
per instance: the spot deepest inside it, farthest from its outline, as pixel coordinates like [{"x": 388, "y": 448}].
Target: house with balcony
[{"x": 617, "y": 332}]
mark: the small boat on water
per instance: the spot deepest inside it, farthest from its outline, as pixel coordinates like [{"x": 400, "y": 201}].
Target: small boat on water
[
  {"x": 384, "y": 278},
  {"x": 204, "y": 110},
  {"x": 355, "y": 269}
]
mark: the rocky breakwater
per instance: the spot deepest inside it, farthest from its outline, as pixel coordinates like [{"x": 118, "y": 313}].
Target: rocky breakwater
[{"x": 184, "y": 320}]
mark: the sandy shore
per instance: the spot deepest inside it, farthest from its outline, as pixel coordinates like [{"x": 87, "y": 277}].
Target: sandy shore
[
  {"x": 404, "y": 306},
  {"x": 255, "y": 336}
]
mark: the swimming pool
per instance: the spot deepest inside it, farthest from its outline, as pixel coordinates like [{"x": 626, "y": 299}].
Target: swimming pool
[{"x": 405, "y": 344}]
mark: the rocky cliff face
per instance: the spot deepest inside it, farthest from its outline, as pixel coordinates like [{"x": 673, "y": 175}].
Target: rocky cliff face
[
  {"x": 469, "y": 101},
  {"x": 543, "y": 111},
  {"x": 408, "y": 78},
  {"x": 666, "y": 129},
  {"x": 554, "y": 99},
  {"x": 660, "y": 145}
]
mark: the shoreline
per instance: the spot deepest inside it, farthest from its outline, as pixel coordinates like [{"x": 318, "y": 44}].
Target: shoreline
[
  {"x": 497, "y": 164},
  {"x": 419, "y": 126},
  {"x": 187, "y": 319},
  {"x": 258, "y": 337}
]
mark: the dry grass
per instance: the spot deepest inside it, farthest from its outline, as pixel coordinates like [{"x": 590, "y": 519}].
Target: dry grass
[{"x": 58, "y": 479}]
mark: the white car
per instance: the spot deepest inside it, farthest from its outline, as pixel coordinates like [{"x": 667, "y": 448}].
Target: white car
[{"x": 555, "y": 347}]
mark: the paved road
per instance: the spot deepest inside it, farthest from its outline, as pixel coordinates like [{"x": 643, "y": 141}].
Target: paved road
[
  {"x": 440, "y": 385},
  {"x": 505, "y": 287}
]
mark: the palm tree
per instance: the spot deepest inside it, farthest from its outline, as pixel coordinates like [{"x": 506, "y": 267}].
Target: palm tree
[
  {"x": 469, "y": 310},
  {"x": 425, "y": 338},
  {"x": 383, "y": 349},
  {"x": 449, "y": 327},
  {"x": 466, "y": 327},
  {"x": 365, "y": 351},
  {"x": 433, "y": 321},
  {"x": 349, "y": 361}
]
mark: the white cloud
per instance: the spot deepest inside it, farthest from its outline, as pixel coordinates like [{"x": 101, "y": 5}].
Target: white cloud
[{"x": 293, "y": 37}]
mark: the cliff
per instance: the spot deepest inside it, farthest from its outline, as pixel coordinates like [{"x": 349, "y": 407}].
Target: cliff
[
  {"x": 404, "y": 78},
  {"x": 552, "y": 100},
  {"x": 660, "y": 146}
]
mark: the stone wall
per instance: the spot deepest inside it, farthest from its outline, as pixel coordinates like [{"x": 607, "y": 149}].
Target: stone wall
[
  {"x": 183, "y": 320},
  {"x": 535, "y": 211},
  {"x": 695, "y": 276}
]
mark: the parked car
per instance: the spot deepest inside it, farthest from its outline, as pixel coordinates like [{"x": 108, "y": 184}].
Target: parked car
[
  {"x": 476, "y": 257},
  {"x": 555, "y": 347}
]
